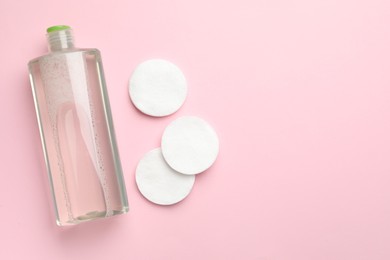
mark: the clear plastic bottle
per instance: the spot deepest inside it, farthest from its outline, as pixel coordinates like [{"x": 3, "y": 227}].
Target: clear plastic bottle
[{"x": 76, "y": 130}]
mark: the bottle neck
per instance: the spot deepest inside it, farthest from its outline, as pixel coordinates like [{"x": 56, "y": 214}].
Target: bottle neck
[{"x": 60, "y": 40}]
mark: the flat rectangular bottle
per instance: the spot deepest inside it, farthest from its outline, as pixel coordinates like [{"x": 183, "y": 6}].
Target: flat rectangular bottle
[{"x": 76, "y": 130}]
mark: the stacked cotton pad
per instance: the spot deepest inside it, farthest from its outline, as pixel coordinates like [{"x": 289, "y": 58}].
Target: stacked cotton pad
[{"x": 189, "y": 144}]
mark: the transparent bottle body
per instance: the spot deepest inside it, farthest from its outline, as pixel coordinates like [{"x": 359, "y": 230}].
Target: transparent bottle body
[{"x": 77, "y": 135}]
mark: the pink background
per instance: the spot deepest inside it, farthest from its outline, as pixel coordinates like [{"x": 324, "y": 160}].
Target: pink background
[{"x": 298, "y": 91}]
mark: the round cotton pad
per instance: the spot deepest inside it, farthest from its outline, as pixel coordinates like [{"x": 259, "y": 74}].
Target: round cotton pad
[
  {"x": 190, "y": 145},
  {"x": 157, "y": 88},
  {"x": 159, "y": 183}
]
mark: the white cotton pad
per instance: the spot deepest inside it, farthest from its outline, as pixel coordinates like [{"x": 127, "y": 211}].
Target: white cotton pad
[
  {"x": 190, "y": 145},
  {"x": 159, "y": 183},
  {"x": 157, "y": 87}
]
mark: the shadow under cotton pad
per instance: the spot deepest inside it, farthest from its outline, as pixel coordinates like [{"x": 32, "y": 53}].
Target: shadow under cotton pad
[
  {"x": 158, "y": 182},
  {"x": 157, "y": 88}
]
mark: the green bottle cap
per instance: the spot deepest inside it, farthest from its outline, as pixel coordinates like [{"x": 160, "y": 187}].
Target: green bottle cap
[{"x": 56, "y": 28}]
